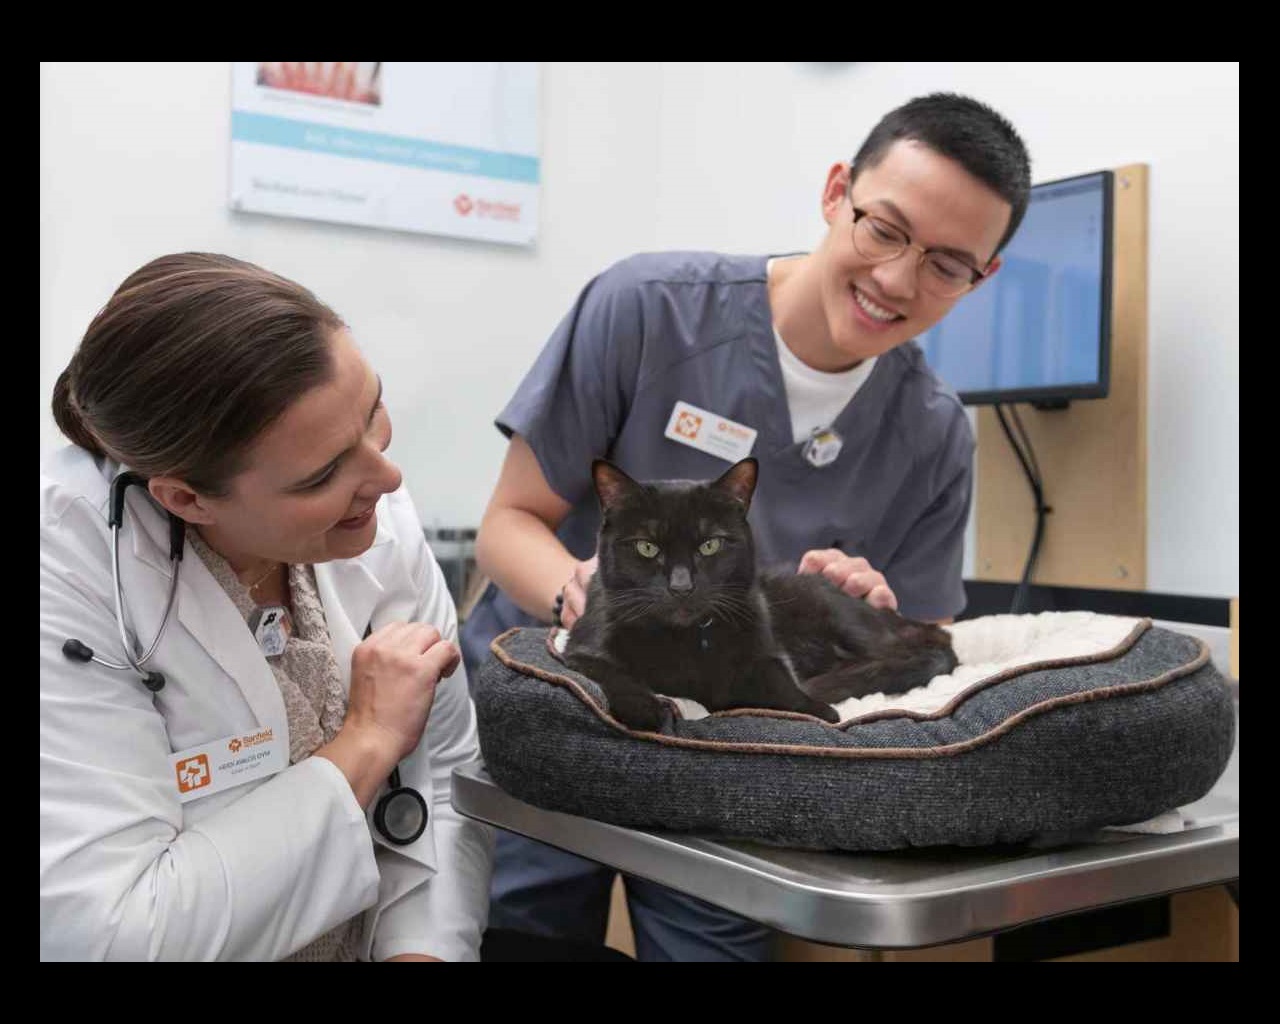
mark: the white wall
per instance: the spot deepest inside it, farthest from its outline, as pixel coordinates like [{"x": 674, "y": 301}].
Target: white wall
[{"x": 730, "y": 156}]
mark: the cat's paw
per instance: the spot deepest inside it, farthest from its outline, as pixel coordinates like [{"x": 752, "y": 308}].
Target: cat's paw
[
  {"x": 820, "y": 710},
  {"x": 637, "y": 712}
]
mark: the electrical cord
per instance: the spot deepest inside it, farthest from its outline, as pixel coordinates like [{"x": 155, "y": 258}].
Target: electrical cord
[
  {"x": 1031, "y": 468},
  {"x": 1026, "y": 443}
]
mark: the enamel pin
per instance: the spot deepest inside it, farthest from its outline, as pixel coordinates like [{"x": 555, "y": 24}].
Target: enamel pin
[{"x": 823, "y": 447}]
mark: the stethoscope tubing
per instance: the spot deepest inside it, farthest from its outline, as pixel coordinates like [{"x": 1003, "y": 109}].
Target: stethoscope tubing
[
  {"x": 77, "y": 650},
  {"x": 175, "y": 564}
]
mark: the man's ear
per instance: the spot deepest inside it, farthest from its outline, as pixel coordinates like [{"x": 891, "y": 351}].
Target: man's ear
[
  {"x": 739, "y": 481},
  {"x": 180, "y": 498},
  {"x": 995, "y": 264},
  {"x": 613, "y": 486},
  {"x": 834, "y": 191}
]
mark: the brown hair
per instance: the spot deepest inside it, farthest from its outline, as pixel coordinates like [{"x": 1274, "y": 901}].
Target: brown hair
[{"x": 188, "y": 362}]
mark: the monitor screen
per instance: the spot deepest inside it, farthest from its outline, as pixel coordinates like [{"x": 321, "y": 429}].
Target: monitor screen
[{"x": 1040, "y": 329}]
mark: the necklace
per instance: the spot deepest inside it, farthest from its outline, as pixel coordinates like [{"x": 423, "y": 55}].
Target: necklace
[{"x": 256, "y": 583}]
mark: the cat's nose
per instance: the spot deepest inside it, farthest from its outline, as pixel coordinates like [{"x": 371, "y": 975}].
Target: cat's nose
[{"x": 681, "y": 582}]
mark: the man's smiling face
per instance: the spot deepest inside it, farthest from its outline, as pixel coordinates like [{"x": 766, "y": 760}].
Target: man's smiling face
[{"x": 871, "y": 307}]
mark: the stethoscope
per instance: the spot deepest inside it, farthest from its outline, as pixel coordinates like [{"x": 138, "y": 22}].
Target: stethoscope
[
  {"x": 400, "y": 815},
  {"x": 77, "y": 650}
]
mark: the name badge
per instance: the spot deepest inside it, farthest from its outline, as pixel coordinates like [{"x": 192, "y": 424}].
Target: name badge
[
  {"x": 709, "y": 433},
  {"x": 232, "y": 761},
  {"x": 272, "y": 627}
]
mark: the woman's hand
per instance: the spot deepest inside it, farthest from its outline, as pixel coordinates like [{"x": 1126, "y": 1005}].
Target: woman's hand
[
  {"x": 394, "y": 674},
  {"x": 852, "y": 574}
]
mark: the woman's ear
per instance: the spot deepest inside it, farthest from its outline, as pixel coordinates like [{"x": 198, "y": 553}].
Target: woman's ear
[{"x": 180, "y": 498}]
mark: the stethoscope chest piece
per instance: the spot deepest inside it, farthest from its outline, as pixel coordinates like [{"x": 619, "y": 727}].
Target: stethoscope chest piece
[{"x": 400, "y": 816}]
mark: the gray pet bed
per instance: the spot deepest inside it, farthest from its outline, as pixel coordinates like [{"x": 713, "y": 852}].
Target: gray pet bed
[{"x": 1023, "y": 748}]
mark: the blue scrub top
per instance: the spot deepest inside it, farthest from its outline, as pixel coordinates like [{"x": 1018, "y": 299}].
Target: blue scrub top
[{"x": 655, "y": 329}]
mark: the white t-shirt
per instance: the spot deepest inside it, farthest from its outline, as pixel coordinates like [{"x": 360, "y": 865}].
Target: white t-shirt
[{"x": 815, "y": 397}]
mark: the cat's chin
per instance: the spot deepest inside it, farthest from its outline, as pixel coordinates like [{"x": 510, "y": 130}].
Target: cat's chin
[{"x": 685, "y": 617}]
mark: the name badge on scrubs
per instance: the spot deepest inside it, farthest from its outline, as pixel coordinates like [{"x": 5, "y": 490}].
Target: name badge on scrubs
[
  {"x": 823, "y": 447},
  {"x": 709, "y": 432},
  {"x": 231, "y": 761}
]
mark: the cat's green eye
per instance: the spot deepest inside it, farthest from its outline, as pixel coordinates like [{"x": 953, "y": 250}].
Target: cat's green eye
[
  {"x": 647, "y": 548},
  {"x": 710, "y": 546}
]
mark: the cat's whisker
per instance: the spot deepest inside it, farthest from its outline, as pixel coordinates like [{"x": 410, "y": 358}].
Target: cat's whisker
[
  {"x": 734, "y": 609},
  {"x": 632, "y": 609}
]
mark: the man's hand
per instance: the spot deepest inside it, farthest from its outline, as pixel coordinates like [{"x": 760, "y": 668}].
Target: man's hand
[
  {"x": 852, "y": 574},
  {"x": 574, "y": 592}
]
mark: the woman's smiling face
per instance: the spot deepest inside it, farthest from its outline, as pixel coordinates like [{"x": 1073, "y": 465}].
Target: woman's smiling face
[{"x": 311, "y": 480}]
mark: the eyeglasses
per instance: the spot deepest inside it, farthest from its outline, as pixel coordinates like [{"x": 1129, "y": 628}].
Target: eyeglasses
[{"x": 941, "y": 273}]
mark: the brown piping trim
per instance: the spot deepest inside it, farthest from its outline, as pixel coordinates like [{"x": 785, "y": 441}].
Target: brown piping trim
[{"x": 874, "y": 753}]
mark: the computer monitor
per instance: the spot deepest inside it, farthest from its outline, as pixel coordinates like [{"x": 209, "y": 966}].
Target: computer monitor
[{"x": 1040, "y": 330}]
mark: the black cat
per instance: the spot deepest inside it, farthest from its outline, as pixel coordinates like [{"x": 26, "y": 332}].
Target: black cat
[{"x": 676, "y": 605}]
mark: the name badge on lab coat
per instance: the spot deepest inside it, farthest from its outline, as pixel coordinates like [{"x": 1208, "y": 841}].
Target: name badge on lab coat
[
  {"x": 709, "y": 432},
  {"x": 231, "y": 761}
]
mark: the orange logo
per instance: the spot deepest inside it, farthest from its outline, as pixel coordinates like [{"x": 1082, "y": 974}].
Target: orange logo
[
  {"x": 463, "y": 204},
  {"x": 234, "y": 746},
  {"x": 688, "y": 424},
  {"x": 193, "y": 772}
]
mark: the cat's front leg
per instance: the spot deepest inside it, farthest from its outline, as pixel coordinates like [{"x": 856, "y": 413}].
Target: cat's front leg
[
  {"x": 771, "y": 684},
  {"x": 630, "y": 702}
]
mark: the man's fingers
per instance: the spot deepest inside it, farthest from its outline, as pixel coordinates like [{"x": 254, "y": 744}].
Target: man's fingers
[
  {"x": 850, "y": 580},
  {"x": 819, "y": 559},
  {"x": 585, "y": 570},
  {"x": 575, "y": 598},
  {"x": 881, "y": 596},
  {"x": 574, "y": 592}
]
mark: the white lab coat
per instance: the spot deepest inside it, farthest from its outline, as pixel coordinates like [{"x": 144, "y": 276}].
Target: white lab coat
[{"x": 257, "y": 871}]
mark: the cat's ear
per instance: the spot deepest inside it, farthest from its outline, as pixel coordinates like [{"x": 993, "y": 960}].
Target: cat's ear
[
  {"x": 739, "y": 481},
  {"x": 612, "y": 485}
]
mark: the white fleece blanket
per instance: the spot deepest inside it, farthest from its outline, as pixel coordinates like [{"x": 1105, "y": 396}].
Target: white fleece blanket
[{"x": 986, "y": 647}]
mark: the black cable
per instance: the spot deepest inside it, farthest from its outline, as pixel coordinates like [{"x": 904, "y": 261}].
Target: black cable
[
  {"x": 1032, "y": 470},
  {"x": 1026, "y": 444}
]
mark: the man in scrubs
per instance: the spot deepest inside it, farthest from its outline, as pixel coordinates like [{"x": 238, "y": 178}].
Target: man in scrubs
[{"x": 675, "y": 365}]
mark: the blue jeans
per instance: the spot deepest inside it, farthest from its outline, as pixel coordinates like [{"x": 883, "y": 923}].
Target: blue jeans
[{"x": 541, "y": 890}]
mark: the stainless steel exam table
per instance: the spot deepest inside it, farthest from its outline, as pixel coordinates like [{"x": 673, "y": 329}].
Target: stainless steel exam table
[{"x": 905, "y": 899}]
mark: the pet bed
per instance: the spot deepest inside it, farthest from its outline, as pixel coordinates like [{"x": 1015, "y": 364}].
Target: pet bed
[{"x": 1054, "y": 723}]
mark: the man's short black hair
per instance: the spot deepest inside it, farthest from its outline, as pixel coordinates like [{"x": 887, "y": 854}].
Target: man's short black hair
[{"x": 982, "y": 141}]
